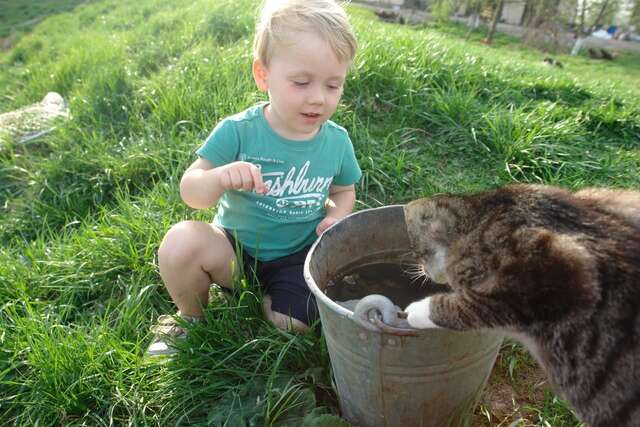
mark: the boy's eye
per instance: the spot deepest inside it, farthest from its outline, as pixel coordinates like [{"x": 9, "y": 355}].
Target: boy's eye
[
  {"x": 333, "y": 87},
  {"x": 300, "y": 83}
]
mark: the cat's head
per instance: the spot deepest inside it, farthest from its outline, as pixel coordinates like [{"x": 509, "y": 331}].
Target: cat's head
[
  {"x": 433, "y": 225},
  {"x": 484, "y": 248}
]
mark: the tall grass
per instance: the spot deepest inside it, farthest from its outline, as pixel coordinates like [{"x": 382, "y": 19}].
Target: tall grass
[{"x": 82, "y": 210}]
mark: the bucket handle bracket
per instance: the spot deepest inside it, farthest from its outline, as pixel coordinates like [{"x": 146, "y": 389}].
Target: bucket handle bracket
[{"x": 377, "y": 313}]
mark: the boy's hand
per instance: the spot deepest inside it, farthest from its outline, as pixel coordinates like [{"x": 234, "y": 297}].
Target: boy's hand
[
  {"x": 243, "y": 176},
  {"x": 327, "y": 222}
]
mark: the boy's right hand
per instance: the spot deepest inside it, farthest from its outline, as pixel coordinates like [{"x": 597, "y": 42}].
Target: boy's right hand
[{"x": 242, "y": 176}]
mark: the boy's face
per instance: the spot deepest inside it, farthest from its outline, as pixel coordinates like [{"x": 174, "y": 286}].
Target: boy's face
[{"x": 304, "y": 82}]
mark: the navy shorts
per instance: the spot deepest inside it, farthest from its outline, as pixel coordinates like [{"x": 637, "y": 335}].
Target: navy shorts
[{"x": 283, "y": 280}]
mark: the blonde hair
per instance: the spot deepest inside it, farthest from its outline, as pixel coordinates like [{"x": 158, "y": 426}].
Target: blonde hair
[{"x": 279, "y": 18}]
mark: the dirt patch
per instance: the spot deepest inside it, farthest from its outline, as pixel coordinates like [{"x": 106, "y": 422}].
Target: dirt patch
[{"x": 516, "y": 385}]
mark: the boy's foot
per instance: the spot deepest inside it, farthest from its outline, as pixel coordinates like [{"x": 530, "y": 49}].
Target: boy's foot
[{"x": 167, "y": 331}]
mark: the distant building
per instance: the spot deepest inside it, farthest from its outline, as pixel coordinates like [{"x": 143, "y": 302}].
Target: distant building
[{"x": 513, "y": 12}]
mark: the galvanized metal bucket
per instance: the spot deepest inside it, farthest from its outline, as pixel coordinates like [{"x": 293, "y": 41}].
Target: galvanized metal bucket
[{"x": 387, "y": 375}]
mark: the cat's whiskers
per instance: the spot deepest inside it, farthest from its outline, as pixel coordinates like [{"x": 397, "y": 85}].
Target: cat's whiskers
[
  {"x": 416, "y": 272},
  {"x": 425, "y": 280}
]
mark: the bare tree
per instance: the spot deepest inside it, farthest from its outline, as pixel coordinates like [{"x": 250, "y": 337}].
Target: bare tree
[
  {"x": 527, "y": 15},
  {"x": 635, "y": 14},
  {"x": 583, "y": 11},
  {"x": 603, "y": 7},
  {"x": 473, "y": 9},
  {"x": 545, "y": 25},
  {"x": 494, "y": 21}
]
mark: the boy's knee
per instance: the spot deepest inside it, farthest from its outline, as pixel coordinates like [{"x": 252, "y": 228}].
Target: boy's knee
[{"x": 179, "y": 245}]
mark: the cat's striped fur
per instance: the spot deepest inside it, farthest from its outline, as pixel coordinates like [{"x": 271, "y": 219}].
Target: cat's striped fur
[{"x": 559, "y": 271}]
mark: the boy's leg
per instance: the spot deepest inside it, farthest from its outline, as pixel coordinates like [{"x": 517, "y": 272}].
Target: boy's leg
[
  {"x": 289, "y": 303},
  {"x": 281, "y": 320},
  {"x": 193, "y": 255}
]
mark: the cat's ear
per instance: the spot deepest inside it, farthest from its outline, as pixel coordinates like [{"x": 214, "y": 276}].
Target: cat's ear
[
  {"x": 418, "y": 213},
  {"x": 440, "y": 215},
  {"x": 564, "y": 267}
]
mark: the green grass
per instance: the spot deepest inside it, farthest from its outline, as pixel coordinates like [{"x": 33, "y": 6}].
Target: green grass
[
  {"x": 83, "y": 210},
  {"x": 17, "y": 17}
]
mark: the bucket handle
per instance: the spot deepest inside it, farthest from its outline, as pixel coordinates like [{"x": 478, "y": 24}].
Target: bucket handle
[{"x": 377, "y": 313}]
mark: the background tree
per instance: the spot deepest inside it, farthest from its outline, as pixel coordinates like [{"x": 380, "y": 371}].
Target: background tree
[
  {"x": 606, "y": 12},
  {"x": 529, "y": 10},
  {"x": 582, "y": 12},
  {"x": 547, "y": 22},
  {"x": 473, "y": 8},
  {"x": 635, "y": 15},
  {"x": 442, "y": 10},
  {"x": 497, "y": 12}
]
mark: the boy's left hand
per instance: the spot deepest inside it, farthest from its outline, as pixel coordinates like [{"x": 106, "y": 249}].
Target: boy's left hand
[{"x": 327, "y": 222}]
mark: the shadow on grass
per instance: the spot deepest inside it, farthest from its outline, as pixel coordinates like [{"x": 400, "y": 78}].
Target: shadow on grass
[
  {"x": 23, "y": 16},
  {"x": 234, "y": 368}
]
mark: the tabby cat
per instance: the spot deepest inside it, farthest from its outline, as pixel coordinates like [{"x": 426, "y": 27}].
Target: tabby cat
[{"x": 556, "y": 270}]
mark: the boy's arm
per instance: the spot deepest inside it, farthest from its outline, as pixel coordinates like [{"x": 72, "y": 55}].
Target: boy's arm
[
  {"x": 200, "y": 187},
  {"x": 341, "y": 201},
  {"x": 203, "y": 184}
]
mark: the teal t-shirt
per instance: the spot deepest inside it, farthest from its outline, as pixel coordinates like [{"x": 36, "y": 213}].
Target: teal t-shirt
[{"x": 297, "y": 174}]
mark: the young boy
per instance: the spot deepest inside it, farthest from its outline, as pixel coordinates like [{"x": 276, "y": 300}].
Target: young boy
[{"x": 281, "y": 173}]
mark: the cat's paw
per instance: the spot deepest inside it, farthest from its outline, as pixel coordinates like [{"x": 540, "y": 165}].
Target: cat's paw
[{"x": 418, "y": 314}]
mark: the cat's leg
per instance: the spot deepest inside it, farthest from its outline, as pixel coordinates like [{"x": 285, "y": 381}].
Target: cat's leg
[
  {"x": 419, "y": 314},
  {"x": 449, "y": 311}
]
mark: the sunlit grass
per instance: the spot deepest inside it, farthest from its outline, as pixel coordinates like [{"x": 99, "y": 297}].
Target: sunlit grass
[{"x": 83, "y": 210}]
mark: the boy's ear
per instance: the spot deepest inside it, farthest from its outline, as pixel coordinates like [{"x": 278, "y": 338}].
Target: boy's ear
[{"x": 260, "y": 74}]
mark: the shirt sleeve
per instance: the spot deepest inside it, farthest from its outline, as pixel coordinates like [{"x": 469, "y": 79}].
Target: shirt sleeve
[
  {"x": 222, "y": 145},
  {"x": 349, "y": 172}
]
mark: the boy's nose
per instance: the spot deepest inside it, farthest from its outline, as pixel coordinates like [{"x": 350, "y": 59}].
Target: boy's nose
[{"x": 316, "y": 96}]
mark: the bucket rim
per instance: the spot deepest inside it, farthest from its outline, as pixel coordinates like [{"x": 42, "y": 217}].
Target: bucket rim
[{"x": 311, "y": 283}]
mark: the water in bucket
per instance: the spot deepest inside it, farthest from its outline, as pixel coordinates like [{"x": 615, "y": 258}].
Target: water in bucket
[{"x": 401, "y": 283}]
